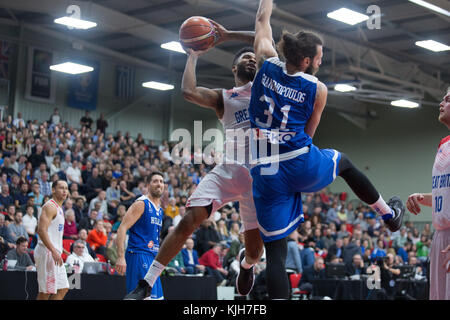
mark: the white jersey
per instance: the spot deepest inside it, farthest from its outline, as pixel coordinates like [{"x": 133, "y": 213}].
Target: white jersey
[
  {"x": 441, "y": 186},
  {"x": 236, "y": 124},
  {"x": 56, "y": 228}
]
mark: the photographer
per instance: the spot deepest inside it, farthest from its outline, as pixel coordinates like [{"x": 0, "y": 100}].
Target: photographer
[{"x": 388, "y": 273}]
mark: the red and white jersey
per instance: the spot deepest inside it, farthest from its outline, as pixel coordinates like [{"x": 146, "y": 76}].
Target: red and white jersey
[
  {"x": 236, "y": 124},
  {"x": 441, "y": 186},
  {"x": 56, "y": 228}
]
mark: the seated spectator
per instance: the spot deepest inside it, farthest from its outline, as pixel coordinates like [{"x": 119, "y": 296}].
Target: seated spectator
[
  {"x": 172, "y": 209},
  {"x": 351, "y": 248},
  {"x": 403, "y": 251},
  {"x": 343, "y": 231},
  {"x": 336, "y": 249},
  {"x": 44, "y": 184},
  {"x": 126, "y": 196},
  {"x": 21, "y": 256},
  {"x": 94, "y": 185},
  {"x": 81, "y": 212},
  {"x": 308, "y": 253},
  {"x": 6, "y": 199},
  {"x": 89, "y": 222},
  {"x": 113, "y": 194},
  {"x": 234, "y": 231},
  {"x": 16, "y": 228},
  {"x": 102, "y": 210},
  {"x": 423, "y": 248},
  {"x": 21, "y": 197},
  {"x": 36, "y": 194},
  {"x": 78, "y": 257},
  {"x": 5, "y": 234},
  {"x": 327, "y": 239},
  {"x": 30, "y": 224},
  {"x": 293, "y": 258},
  {"x": 223, "y": 231},
  {"x": 190, "y": 258},
  {"x": 111, "y": 249},
  {"x": 310, "y": 273},
  {"x": 356, "y": 267},
  {"x": 82, "y": 236},
  {"x": 70, "y": 226},
  {"x": 120, "y": 213},
  {"x": 379, "y": 251},
  {"x": 401, "y": 239},
  {"x": 97, "y": 238},
  {"x": 206, "y": 236},
  {"x": 213, "y": 266}
]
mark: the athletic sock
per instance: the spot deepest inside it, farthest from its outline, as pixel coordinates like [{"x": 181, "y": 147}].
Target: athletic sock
[
  {"x": 383, "y": 209},
  {"x": 154, "y": 272}
]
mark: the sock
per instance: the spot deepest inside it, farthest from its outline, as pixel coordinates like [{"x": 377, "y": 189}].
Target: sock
[
  {"x": 245, "y": 264},
  {"x": 382, "y": 209},
  {"x": 154, "y": 272}
]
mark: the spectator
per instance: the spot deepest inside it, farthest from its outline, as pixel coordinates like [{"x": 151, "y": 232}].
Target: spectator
[
  {"x": 121, "y": 210},
  {"x": 401, "y": 239},
  {"x": 379, "y": 251},
  {"x": 211, "y": 260},
  {"x": 10, "y": 213},
  {"x": 73, "y": 173},
  {"x": 356, "y": 266},
  {"x": 327, "y": 240},
  {"x": 97, "y": 238},
  {"x": 310, "y": 273},
  {"x": 18, "y": 122},
  {"x": 79, "y": 256},
  {"x": 126, "y": 197},
  {"x": 37, "y": 157},
  {"x": 21, "y": 256},
  {"x": 113, "y": 194},
  {"x": 16, "y": 228},
  {"x": 336, "y": 249},
  {"x": 332, "y": 215},
  {"x": 102, "y": 124},
  {"x": 343, "y": 231},
  {"x": 30, "y": 221},
  {"x": 177, "y": 219},
  {"x": 223, "y": 232},
  {"x": 70, "y": 226},
  {"x": 206, "y": 237},
  {"x": 293, "y": 259},
  {"x": 102, "y": 208},
  {"x": 93, "y": 185},
  {"x": 55, "y": 118},
  {"x": 403, "y": 251},
  {"x": 21, "y": 197},
  {"x": 44, "y": 184},
  {"x": 234, "y": 231},
  {"x": 82, "y": 236},
  {"x": 350, "y": 250},
  {"x": 307, "y": 254},
  {"x": 80, "y": 210},
  {"x": 423, "y": 248},
  {"x": 89, "y": 222},
  {"x": 111, "y": 249},
  {"x": 86, "y": 121},
  {"x": 172, "y": 209},
  {"x": 36, "y": 194},
  {"x": 5, "y": 234},
  {"x": 5, "y": 198},
  {"x": 190, "y": 258}
]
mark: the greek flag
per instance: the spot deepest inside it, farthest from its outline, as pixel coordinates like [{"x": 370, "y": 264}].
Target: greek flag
[{"x": 125, "y": 82}]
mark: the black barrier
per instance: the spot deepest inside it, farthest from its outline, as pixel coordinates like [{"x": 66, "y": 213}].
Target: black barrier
[{"x": 21, "y": 285}]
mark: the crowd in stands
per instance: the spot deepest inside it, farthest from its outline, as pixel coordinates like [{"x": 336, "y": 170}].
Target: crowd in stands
[{"x": 106, "y": 173}]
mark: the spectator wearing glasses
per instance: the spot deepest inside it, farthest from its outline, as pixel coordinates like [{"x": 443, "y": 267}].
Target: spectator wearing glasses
[{"x": 79, "y": 256}]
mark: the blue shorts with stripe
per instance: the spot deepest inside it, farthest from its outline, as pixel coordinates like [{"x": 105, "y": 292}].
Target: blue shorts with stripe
[
  {"x": 277, "y": 196},
  {"x": 137, "y": 266}
]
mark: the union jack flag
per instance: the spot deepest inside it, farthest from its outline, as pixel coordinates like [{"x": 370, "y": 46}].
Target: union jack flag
[{"x": 5, "y": 54}]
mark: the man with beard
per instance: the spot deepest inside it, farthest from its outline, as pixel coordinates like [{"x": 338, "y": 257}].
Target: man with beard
[
  {"x": 143, "y": 220},
  {"x": 228, "y": 181},
  {"x": 286, "y": 105}
]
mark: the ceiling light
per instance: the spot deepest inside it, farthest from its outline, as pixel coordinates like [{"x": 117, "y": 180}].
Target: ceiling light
[
  {"x": 72, "y": 68},
  {"x": 174, "y": 46},
  {"x": 432, "y": 45},
  {"x": 431, "y": 7},
  {"x": 344, "y": 88},
  {"x": 75, "y": 23},
  {"x": 404, "y": 104},
  {"x": 157, "y": 85},
  {"x": 347, "y": 16}
]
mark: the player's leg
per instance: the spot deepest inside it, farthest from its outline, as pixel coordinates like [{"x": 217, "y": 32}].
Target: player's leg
[
  {"x": 276, "y": 276},
  {"x": 60, "y": 294},
  {"x": 172, "y": 244},
  {"x": 391, "y": 212},
  {"x": 43, "y": 296},
  {"x": 439, "y": 278}
]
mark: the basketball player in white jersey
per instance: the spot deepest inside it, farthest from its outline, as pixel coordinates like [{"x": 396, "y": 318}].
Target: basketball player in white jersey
[
  {"x": 51, "y": 273},
  {"x": 230, "y": 181},
  {"x": 439, "y": 200}
]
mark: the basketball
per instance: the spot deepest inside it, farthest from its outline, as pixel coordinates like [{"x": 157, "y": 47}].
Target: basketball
[{"x": 197, "y": 33}]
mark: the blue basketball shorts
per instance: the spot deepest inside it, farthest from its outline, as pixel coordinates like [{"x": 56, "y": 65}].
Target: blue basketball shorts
[
  {"x": 137, "y": 266},
  {"x": 277, "y": 196}
]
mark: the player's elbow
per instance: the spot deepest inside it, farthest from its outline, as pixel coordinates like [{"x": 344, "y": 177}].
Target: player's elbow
[{"x": 188, "y": 94}]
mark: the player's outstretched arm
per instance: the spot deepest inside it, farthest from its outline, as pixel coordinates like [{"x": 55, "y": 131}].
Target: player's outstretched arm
[
  {"x": 132, "y": 215},
  {"x": 263, "y": 44},
  {"x": 204, "y": 97},
  {"x": 224, "y": 35},
  {"x": 319, "y": 105},
  {"x": 416, "y": 199}
]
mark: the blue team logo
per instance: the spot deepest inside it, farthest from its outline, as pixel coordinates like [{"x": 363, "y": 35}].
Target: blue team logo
[
  {"x": 234, "y": 95},
  {"x": 60, "y": 227}
]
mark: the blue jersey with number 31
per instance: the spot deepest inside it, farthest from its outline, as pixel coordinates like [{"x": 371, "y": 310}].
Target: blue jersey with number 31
[{"x": 280, "y": 107}]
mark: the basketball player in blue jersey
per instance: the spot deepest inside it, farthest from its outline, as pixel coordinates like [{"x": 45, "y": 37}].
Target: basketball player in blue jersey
[
  {"x": 285, "y": 109},
  {"x": 143, "y": 220},
  {"x": 227, "y": 182}
]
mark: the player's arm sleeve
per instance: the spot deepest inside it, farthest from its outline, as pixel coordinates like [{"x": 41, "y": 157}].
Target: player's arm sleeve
[{"x": 264, "y": 45}]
